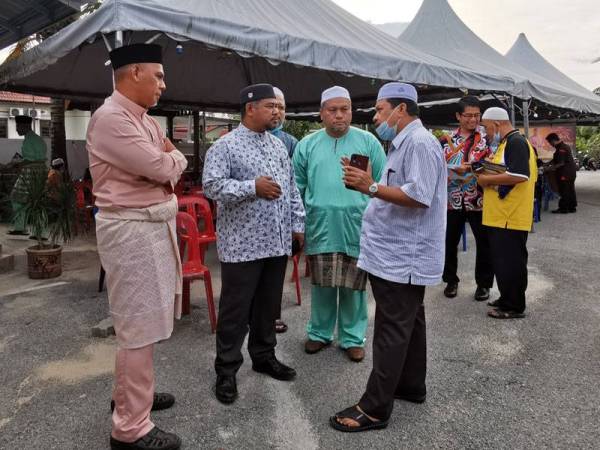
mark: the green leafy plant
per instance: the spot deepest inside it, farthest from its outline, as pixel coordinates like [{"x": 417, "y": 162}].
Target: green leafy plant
[{"x": 47, "y": 208}]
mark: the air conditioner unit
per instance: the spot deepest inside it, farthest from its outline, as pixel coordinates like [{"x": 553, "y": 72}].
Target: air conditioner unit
[
  {"x": 34, "y": 113},
  {"x": 15, "y": 112}
]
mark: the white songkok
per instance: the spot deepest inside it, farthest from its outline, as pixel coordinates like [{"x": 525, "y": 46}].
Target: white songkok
[
  {"x": 334, "y": 92},
  {"x": 495, "y": 113},
  {"x": 279, "y": 93}
]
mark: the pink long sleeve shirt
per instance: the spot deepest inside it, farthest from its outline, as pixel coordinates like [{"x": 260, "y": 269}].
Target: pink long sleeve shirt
[{"x": 130, "y": 163}]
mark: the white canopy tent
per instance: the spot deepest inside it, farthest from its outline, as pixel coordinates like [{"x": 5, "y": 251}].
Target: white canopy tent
[
  {"x": 437, "y": 30},
  {"x": 524, "y": 54},
  {"x": 302, "y": 47}
]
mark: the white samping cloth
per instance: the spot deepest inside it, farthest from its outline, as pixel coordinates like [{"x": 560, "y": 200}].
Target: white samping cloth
[{"x": 138, "y": 250}]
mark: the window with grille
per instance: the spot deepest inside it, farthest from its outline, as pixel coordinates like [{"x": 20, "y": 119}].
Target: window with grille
[
  {"x": 3, "y": 128},
  {"x": 45, "y": 128}
]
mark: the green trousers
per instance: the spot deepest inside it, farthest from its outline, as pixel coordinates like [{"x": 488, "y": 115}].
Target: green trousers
[{"x": 350, "y": 313}]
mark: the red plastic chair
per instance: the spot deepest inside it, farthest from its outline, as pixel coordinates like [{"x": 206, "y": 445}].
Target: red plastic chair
[
  {"x": 296, "y": 275},
  {"x": 193, "y": 268},
  {"x": 296, "y": 278},
  {"x": 198, "y": 207}
]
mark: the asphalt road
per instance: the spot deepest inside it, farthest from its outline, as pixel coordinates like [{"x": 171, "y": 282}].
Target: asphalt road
[{"x": 529, "y": 383}]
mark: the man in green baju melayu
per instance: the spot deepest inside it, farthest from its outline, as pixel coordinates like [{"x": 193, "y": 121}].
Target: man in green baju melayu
[
  {"x": 333, "y": 222},
  {"x": 33, "y": 151}
]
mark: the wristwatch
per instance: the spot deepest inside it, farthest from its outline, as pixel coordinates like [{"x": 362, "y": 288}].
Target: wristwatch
[{"x": 373, "y": 189}]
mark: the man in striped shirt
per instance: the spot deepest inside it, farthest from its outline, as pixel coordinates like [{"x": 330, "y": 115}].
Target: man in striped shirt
[{"x": 402, "y": 249}]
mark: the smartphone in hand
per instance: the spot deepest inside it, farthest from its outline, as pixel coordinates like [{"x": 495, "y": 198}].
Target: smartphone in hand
[{"x": 360, "y": 162}]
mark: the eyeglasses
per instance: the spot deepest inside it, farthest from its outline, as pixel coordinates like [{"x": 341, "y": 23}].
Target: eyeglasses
[{"x": 471, "y": 116}]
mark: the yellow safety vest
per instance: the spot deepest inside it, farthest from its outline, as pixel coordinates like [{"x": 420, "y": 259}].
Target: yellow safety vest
[{"x": 515, "y": 211}]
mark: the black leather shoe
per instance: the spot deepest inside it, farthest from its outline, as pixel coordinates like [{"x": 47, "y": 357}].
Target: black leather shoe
[
  {"x": 451, "y": 290},
  {"x": 156, "y": 439},
  {"x": 482, "y": 294},
  {"x": 226, "y": 389},
  {"x": 560, "y": 211},
  {"x": 574, "y": 210},
  {"x": 162, "y": 400},
  {"x": 275, "y": 369}
]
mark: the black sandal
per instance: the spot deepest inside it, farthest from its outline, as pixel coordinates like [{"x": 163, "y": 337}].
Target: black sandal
[
  {"x": 364, "y": 423},
  {"x": 502, "y": 314}
]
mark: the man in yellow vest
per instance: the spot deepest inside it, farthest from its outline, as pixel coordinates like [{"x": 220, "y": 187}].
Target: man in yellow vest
[{"x": 508, "y": 211}]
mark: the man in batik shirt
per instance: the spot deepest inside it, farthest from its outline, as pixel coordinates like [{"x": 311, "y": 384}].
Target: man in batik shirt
[
  {"x": 465, "y": 198},
  {"x": 249, "y": 174}
]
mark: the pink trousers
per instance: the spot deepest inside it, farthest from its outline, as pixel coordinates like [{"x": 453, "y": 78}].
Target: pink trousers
[{"x": 133, "y": 393}]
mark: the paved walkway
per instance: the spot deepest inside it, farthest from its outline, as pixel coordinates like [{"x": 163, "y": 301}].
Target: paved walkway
[{"x": 492, "y": 384}]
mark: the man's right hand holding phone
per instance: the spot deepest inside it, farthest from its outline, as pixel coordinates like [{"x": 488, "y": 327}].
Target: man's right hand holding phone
[{"x": 356, "y": 178}]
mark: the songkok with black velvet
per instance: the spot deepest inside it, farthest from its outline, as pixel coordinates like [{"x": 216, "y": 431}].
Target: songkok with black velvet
[
  {"x": 136, "y": 54},
  {"x": 256, "y": 92},
  {"x": 23, "y": 120}
]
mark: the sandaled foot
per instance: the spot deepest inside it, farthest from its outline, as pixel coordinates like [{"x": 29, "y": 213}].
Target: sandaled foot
[
  {"x": 352, "y": 420},
  {"x": 502, "y": 314}
]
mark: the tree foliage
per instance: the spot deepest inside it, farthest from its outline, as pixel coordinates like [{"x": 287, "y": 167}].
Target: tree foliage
[
  {"x": 588, "y": 142},
  {"x": 300, "y": 128}
]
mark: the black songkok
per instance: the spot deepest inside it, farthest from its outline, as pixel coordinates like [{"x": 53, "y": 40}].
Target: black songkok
[
  {"x": 256, "y": 92},
  {"x": 24, "y": 120},
  {"x": 134, "y": 54}
]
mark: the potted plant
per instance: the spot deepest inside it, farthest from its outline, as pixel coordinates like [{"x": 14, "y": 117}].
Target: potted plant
[{"x": 48, "y": 209}]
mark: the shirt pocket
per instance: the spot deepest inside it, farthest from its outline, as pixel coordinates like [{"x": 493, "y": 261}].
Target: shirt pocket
[{"x": 393, "y": 177}]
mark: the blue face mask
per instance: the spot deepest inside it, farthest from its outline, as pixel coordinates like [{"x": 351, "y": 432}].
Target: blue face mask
[
  {"x": 385, "y": 132},
  {"x": 277, "y": 128}
]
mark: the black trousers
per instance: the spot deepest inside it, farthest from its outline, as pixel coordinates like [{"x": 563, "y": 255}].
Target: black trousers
[
  {"x": 509, "y": 257},
  {"x": 484, "y": 273},
  {"x": 250, "y": 301},
  {"x": 568, "y": 198},
  {"x": 399, "y": 346}
]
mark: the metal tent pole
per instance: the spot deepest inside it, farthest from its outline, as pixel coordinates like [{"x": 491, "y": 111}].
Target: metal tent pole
[
  {"x": 512, "y": 111},
  {"x": 196, "y": 116},
  {"x": 526, "y": 118}
]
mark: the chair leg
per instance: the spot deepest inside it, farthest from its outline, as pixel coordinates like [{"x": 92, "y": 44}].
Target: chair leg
[
  {"x": 296, "y": 279},
  {"x": 298, "y": 293},
  {"x": 185, "y": 298},
  {"x": 101, "y": 279},
  {"x": 295, "y": 260},
  {"x": 212, "y": 314}
]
